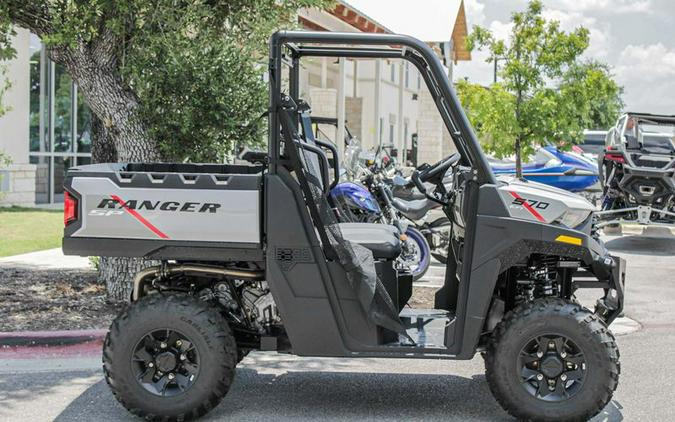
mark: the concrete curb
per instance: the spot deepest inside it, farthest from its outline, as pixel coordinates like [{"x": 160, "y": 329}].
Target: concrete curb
[
  {"x": 640, "y": 230},
  {"x": 50, "y": 338}
]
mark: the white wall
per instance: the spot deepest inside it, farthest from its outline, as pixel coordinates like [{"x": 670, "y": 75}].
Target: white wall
[{"x": 14, "y": 129}]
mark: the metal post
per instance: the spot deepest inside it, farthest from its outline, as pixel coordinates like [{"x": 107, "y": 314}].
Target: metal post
[
  {"x": 275, "y": 88},
  {"x": 340, "y": 138},
  {"x": 294, "y": 82},
  {"x": 401, "y": 81}
]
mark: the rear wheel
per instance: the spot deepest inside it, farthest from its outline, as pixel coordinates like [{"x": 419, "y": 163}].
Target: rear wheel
[
  {"x": 550, "y": 360},
  {"x": 415, "y": 253},
  {"x": 169, "y": 357}
]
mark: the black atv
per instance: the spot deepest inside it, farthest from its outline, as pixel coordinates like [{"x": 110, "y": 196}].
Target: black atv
[
  {"x": 252, "y": 258},
  {"x": 637, "y": 171}
]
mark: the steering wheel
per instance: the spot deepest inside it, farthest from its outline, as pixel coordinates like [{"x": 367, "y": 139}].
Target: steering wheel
[{"x": 434, "y": 174}]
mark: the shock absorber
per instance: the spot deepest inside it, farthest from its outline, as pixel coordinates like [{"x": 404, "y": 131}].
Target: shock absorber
[{"x": 545, "y": 276}]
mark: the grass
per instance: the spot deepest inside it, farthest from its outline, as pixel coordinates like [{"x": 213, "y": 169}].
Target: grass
[{"x": 25, "y": 230}]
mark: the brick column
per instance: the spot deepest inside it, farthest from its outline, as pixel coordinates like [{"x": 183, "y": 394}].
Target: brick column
[{"x": 17, "y": 185}]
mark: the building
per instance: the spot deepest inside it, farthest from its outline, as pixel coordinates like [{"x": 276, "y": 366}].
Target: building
[
  {"x": 48, "y": 128},
  {"x": 384, "y": 102}
]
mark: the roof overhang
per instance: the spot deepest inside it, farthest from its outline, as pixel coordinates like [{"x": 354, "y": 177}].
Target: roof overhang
[{"x": 446, "y": 24}]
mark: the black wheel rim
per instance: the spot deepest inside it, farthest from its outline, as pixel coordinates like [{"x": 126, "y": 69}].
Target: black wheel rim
[
  {"x": 165, "y": 363},
  {"x": 552, "y": 368}
]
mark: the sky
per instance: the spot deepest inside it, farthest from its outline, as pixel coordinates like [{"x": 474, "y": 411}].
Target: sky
[{"x": 635, "y": 37}]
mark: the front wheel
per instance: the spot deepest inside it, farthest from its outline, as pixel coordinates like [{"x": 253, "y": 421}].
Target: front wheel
[
  {"x": 169, "y": 357},
  {"x": 552, "y": 360}
]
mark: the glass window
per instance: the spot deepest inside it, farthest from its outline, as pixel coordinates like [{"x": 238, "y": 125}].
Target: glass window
[
  {"x": 59, "y": 124},
  {"x": 37, "y": 94},
  {"x": 63, "y": 115},
  {"x": 61, "y": 166},
  {"x": 83, "y": 125},
  {"x": 381, "y": 129},
  {"x": 392, "y": 66},
  {"x": 391, "y": 134},
  {"x": 405, "y": 133},
  {"x": 407, "y": 74}
]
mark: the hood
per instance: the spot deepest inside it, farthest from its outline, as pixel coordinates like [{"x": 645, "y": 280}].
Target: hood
[
  {"x": 576, "y": 201},
  {"x": 534, "y": 201}
]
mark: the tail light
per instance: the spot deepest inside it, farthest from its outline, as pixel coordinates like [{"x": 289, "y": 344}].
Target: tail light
[
  {"x": 617, "y": 158},
  {"x": 69, "y": 208}
]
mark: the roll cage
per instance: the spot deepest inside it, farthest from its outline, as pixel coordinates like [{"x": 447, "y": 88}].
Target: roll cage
[{"x": 288, "y": 47}]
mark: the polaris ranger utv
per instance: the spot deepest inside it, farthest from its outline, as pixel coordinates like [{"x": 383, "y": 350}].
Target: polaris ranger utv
[{"x": 253, "y": 258}]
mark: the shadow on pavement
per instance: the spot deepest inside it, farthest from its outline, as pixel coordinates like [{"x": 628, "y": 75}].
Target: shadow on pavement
[
  {"x": 326, "y": 395},
  {"x": 333, "y": 396},
  {"x": 642, "y": 245},
  {"x": 19, "y": 391}
]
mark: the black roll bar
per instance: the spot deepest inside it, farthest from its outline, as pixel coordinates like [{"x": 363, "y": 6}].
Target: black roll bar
[{"x": 404, "y": 47}]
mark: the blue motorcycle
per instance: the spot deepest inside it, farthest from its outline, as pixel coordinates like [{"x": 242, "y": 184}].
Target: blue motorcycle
[
  {"x": 372, "y": 203},
  {"x": 565, "y": 170}
]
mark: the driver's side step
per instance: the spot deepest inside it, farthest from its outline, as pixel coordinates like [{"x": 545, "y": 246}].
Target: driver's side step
[{"x": 426, "y": 327}]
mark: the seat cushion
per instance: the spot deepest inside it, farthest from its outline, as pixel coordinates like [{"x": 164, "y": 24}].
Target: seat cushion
[
  {"x": 414, "y": 209},
  {"x": 382, "y": 239}
]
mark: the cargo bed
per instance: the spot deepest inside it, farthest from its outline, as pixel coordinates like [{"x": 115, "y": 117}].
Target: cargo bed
[{"x": 164, "y": 211}]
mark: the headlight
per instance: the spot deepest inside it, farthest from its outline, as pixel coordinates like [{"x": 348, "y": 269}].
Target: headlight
[{"x": 572, "y": 218}]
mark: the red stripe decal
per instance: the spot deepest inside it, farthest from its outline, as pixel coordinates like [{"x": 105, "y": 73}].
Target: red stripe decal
[
  {"x": 139, "y": 217},
  {"x": 528, "y": 207}
]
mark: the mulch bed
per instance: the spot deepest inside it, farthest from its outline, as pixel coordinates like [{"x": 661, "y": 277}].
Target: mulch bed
[
  {"x": 41, "y": 300},
  {"x": 36, "y": 300}
]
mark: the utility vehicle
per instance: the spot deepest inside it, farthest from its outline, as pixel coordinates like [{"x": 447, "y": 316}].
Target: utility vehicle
[
  {"x": 637, "y": 171},
  {"x": 252, "y": 258}
]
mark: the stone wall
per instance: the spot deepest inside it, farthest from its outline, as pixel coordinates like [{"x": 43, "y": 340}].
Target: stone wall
[{"x": 17, "y": 185}]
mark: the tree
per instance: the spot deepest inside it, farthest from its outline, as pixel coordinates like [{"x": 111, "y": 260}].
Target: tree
[
  {"x": 546, "y": 92},
  {"x": 172, "y": 79}
]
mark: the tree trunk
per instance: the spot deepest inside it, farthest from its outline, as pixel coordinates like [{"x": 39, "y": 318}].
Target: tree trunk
[
  {"x": 116, "y": 273},
  {"x": 93, "y": 66},
  {"x": 519, "y": 162},
  {"x": 118, "y": 135},
  {"x": 103, "y": 146}
]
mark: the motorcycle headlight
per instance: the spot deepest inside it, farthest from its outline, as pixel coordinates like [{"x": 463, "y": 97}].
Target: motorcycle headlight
[{"x": 572, "y": 218}]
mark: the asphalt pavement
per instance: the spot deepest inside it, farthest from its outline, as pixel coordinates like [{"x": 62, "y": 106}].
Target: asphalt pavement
[{"x": 269, "y": 386}]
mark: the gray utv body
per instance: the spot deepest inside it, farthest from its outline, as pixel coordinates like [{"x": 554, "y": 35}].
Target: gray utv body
[
  {"x": 267, "y": 222},
  {"x": 638, "y": 173}
]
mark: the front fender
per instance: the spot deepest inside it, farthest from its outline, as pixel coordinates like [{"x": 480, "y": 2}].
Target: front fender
[{"x": 501, "y": 242}]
